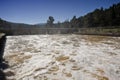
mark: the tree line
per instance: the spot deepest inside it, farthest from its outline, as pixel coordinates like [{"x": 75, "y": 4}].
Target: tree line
[{"x": 98, "y": 18}]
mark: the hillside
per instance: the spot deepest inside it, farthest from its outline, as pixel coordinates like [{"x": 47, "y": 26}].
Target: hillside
[{"x": 99, "y": 18}]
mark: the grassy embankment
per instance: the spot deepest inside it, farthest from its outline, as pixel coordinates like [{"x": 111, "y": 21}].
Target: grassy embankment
[{"x": 101, "y": 31}]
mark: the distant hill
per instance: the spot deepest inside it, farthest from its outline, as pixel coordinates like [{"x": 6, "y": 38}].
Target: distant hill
[{"x": 12, "y": 28}]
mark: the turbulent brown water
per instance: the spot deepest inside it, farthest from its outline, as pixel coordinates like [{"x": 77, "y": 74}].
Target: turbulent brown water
[{"x": 62, "y": 57}]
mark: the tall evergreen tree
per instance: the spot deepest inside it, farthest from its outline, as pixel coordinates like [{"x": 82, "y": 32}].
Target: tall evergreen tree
[{"x": 50, "y": 21}]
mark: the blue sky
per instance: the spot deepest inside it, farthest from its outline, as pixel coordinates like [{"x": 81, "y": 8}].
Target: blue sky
[{"x": 38, "y": 11}]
